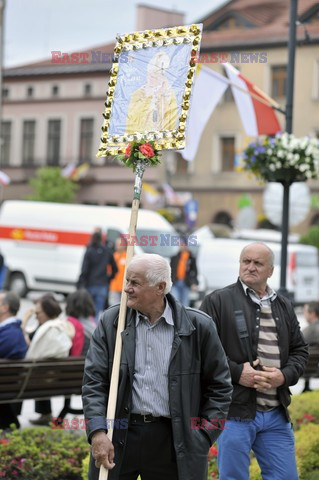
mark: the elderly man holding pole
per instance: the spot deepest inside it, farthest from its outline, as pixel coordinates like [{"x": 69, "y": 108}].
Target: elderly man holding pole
[{"x": 174, "y": 384}]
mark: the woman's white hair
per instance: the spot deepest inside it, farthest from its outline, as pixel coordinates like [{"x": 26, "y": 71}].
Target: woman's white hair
[{"x": 157, "y": 269}]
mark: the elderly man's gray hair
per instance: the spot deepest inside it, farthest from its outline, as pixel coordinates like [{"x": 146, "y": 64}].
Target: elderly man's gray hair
[{"x": 157, "y": 269}]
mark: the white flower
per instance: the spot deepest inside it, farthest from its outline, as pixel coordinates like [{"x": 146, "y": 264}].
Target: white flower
[{"x": 272, "y": 167}]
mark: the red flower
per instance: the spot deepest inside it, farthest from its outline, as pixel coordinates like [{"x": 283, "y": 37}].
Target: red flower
[
  {"x": 212, "y": 451},
  {"x": 128, "y": 151},
  {"x": 147, "y": 150},
  {"x": 309, "y": 417}
]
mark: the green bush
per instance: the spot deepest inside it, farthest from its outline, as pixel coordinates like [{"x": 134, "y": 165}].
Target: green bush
[
  {"x": 307, "y": 449},
  {"x": 85, "y": 467},
  {"x": 42, "y": 453},
  {"x": 311, "y": 237},
  {"x": 304, "y": 408}
]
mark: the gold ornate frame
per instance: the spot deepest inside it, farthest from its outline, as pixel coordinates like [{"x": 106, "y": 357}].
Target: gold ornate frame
[{"x": 164, "y": 139}]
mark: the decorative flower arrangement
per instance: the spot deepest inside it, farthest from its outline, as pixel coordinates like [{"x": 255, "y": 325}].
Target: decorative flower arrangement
[
  {"x": 39, "y": 453},
  {"x": 283, "y": 158},
  {"x": 137, "y": 151}
]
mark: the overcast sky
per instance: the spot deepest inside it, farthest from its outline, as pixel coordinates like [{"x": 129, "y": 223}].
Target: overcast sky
[{"x": 35, "y": 27}]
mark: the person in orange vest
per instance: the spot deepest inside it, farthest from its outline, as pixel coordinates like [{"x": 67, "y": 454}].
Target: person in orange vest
[
  {"x": 184, "y": 273},
  {"x": 117, "y": 282}
]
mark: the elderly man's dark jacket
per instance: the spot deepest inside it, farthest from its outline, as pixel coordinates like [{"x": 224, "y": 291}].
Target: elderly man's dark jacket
[
  {"x": 220, "y": 305},
  {"x": 198, "y": 379}
]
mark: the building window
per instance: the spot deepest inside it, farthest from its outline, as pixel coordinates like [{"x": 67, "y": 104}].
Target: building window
[
  {"x": 5, "y": 144},
  {"x": 86, "y": 140},
  {"x": 87, "y": 89},
  {"x": 227, "y": 152},
  {"x": 28, "y": 142},
  {"x": 279, "y": 81},
  {"x": 54, "y": 140},
  {"x": 55, "y": 91},
  {"x": 5, "y": 93},
  {"x": 30, "y": 92}
]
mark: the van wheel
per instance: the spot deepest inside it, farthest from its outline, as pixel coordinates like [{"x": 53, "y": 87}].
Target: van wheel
[{"x": 18, "y": 284}]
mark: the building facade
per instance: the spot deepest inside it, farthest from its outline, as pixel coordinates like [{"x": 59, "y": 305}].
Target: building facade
[{"x": 52, "y": 110}]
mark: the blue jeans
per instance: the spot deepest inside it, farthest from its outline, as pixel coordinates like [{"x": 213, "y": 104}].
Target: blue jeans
[
  {"x": 181, "y": 292},
  {"x": 99, "y": 295},
  {"x": 271, "y": 439}
]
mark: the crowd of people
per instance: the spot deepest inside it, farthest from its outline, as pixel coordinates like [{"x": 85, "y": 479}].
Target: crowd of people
[{"x": 187, "y": 377}]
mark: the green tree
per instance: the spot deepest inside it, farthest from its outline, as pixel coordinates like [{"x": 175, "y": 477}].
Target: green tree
[
  {"x": 311, "y": 237},
  {"x": 49, "y": 186}
]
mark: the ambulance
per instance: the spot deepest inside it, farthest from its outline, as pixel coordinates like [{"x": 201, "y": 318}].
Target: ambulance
[{"x": 43, "y": 243}]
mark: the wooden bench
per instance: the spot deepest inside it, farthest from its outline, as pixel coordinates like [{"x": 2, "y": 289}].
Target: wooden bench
[
  {"x": 312, "y": 368},
  {"x": 42, "y": 379}
]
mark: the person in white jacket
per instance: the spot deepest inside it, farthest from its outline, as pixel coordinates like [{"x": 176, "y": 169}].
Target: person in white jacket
[{"x": 52, "y": 339}]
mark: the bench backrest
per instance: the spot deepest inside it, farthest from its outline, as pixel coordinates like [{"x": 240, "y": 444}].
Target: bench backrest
[
  {"x": 312, "y": 368},
  {"x": 40, "y": 379}
]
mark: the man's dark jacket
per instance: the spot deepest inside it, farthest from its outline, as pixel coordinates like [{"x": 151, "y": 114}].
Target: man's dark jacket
[
  {"x": 198, "y": 378},
  {"x": 220, "y": 305},
  {"x": 191, "y": 269},
  {"x": 94, "y": 270}
]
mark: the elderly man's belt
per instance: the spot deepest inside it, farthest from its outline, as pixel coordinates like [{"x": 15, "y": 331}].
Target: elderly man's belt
[{"x": 137, "y": 419}]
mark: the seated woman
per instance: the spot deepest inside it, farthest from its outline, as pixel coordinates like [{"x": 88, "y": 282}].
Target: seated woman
[
  {"x": 80, "y": 312},
  {"x": 52, "y": 339}
]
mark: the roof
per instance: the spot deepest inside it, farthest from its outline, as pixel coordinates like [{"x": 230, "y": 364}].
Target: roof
[
  {"x": 95, "y": 59},
  {"x": 268, "y": 21}
]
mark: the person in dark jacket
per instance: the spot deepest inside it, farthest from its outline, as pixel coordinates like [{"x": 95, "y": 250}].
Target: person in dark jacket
[
  {"x": 174, "y": 383},
  {"x": 13, "y": 345},
  {"x": 95, "y": 277},
  {"x": 184, "y": 273},
  {"x": 311, "y": 332},
  {"x": 262, "y": 369}
]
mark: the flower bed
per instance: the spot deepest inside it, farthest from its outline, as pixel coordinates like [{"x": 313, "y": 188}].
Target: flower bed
[{"x": 40, "y": 453}]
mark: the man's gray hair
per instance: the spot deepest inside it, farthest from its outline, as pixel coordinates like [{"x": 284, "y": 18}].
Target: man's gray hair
[
  {"x": 157, "y": 269},
  {"x": 12, "y": 300},
  {"x": 270, "y": 252}
]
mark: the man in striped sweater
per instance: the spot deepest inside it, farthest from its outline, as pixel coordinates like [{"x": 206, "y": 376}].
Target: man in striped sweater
[{"x": 262, "y": 366}]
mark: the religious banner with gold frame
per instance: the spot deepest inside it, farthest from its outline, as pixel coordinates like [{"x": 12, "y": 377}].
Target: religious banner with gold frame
[{"x": 150, "y": 88}]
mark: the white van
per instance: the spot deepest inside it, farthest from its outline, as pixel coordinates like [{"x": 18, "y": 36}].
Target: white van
[
  {"x": 218, "y": 262},
  {"x": 43, "y": 243}
]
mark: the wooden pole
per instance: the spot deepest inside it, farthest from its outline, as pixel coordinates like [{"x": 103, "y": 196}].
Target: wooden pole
[{"x": 111, "y": 406}]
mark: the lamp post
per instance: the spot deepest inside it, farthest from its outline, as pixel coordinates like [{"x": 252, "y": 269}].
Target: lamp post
[{"x": 289, "y": 111}]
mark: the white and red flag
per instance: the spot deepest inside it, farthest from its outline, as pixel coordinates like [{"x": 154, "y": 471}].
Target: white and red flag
[
  {"x": 257, "y": 116},
  {"x": 209, "y": 88}
]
